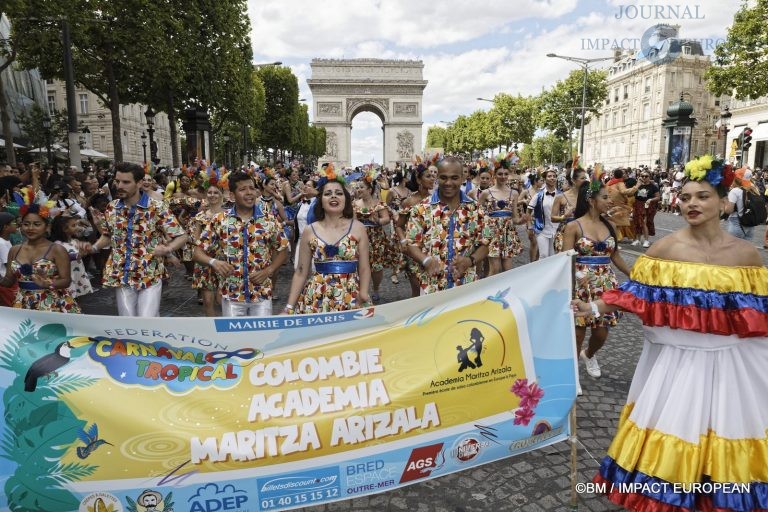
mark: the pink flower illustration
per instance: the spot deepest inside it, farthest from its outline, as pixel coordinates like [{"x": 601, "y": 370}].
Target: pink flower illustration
[
  {"x": 519, "y": 387},
  {"x": 523, "y": 416},
  {"x": 531, "y": 395}
]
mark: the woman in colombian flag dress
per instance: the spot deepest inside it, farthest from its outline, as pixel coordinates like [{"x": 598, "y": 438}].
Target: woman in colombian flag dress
[{"x": 693, "y": 435}]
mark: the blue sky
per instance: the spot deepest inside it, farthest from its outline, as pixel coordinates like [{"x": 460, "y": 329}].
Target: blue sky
[{"x": 470, "y": 48}]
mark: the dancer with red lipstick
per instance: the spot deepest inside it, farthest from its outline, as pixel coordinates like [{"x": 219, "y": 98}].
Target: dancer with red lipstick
[{"x": 695, "y": 422}]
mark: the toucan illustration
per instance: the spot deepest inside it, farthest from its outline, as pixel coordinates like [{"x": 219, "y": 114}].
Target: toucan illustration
[
  {"x": 48, "y": 364},
  {"x": 91, "y": 440}
]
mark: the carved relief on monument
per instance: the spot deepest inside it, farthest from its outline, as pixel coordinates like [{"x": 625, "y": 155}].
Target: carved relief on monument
[
  {"x": 329, "y": 108},
  {"x": 331, "y": 145},
  {"x": 405, "y": 145},
  {"x": 353, "y": 104},
  {"x": 406, "y": 109}
]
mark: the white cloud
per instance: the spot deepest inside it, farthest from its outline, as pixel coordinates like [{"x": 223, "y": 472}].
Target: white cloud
[{"x": 307, "y": 28}]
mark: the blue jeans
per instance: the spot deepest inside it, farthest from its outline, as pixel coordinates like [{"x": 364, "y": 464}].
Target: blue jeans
[{"x": 736, "y": 229}]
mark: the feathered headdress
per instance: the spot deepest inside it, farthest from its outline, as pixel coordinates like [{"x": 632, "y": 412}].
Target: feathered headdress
[
  {"x": 708, "y": 169},
  {"x": 29, "y": 202},
  {"x": 506, "y": 160},
  {"x": 481, "y": 165},
  {"x": 596, "y": 182},
  {"x": 329, "y": 174},
  {"x": 370, "y": 173}
]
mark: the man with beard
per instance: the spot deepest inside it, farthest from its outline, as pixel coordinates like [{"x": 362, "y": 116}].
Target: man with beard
[{"x": 136, "y": 228}]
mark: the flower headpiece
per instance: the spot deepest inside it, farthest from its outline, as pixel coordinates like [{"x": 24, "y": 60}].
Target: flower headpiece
[
  {"x": 481, "y": 165},
  {"x": 708, "y": 169},
  {"x": 330, "y": 175},
  {"x": 596, "y": 182}
]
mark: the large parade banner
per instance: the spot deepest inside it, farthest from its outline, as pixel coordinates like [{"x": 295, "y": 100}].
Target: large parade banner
[{"x": 256, "y": 414}]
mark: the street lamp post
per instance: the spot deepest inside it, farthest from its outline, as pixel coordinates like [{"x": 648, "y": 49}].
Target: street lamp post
[
  {"x": 150, "y": 115},
  {"x": 47, "y": 128},
  {"x": 225, "y": 138},
  {"x": 144, "y": 146},
  {"x": 725, "y": 116},
  {"x": 584, "y": 63}
]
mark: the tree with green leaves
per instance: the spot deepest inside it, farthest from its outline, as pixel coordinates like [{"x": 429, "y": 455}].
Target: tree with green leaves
[
  {"x": 436, "y": 137},
  {"x": 31, "y": 123},
  {"x": 548, "y": 149},
  {"x": 739, "y": 67},
  {"x": 560, "y": 107},
  {"x": 281, "y": 91},
  {"x": 512, "y": 119}
]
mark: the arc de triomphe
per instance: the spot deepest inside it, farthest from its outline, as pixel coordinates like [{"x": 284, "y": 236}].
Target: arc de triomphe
[{"x": 391, "y": 89}]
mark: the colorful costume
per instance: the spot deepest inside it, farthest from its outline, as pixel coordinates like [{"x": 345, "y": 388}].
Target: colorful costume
[
  {"x": 505, "y": 242},
  {"x": 247, "y": 246},
  {"x": 203, "y": 276},
  {"x": 334, "y": 285},
  {"x": 697, "y": 410},
  {"x": 80, "y": 284},
  {"x": 445, "y": 234},
  {"x": 560, "y": 233},
  {"x": 380, "y": 249},
  {"x": 594, "y": 262},
  {"x": 31, "y": 296}
]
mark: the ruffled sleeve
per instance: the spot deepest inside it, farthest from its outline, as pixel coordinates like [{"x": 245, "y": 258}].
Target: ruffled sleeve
[{"x": 697, "y": 297}]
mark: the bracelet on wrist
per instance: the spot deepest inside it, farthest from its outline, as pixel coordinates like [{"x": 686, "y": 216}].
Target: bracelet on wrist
[
  {"x": 211, "y": 262},
  {"x": 425, "y": 261},
  {"x": 595, "y": 309}
]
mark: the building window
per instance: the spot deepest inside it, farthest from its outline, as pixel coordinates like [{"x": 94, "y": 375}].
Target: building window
[
  {"x": 613, "y": 124},
  {"x": 626, "y": 91},
  {"x": 717, "y": 103},
  {"x": 616, "y": 94},
  {"x": 51, "y": 103},
  {"x": 605, "y": 123},
  {"x": 648, "y": 84},
  {"x": 687, "y": 50},
  {"x": 83, "y": 103},
  {"x": 695, "y": 146},
  {"x": 646, "y": 111},
  {"x": 712, "y": 148},
  {"x": 624, "y": 117}
]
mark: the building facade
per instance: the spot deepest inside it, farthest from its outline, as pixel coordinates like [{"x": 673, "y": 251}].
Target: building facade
[
  {"x": 748, "y": 114},
  {"x": 629, "y": 130},
  {"x": 96, "y": 124},
  {"x": 23, "y": 88}
]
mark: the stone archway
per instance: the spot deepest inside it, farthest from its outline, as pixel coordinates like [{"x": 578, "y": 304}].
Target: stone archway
[{"x": 391, "y": 89}]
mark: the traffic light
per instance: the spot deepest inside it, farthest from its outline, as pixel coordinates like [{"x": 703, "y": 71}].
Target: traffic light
[{"x": 747, "y": 140}]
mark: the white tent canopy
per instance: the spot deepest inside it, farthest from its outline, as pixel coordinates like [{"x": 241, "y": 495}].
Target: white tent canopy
[
  {"x": 92, "y": 153},
  {"x": 55, "y": 148}
]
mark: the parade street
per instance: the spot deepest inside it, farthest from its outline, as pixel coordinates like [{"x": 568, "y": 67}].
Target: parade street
[{"x": 533, "y": 482}]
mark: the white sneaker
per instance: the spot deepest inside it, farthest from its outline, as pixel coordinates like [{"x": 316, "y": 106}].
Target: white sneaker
[
  {"x": 646, "y": 244},
  {"x": 593, "y": 369},
  {"x": 636, "y": 242}
]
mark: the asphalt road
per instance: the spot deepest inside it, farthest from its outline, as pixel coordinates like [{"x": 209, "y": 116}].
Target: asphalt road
[{"x": 534, "y": 482}]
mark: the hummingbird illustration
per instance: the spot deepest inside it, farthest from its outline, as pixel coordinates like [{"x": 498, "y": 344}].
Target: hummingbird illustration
[
  {"x": 91, "y": 440},
  {"x": 499, "y": 297}
]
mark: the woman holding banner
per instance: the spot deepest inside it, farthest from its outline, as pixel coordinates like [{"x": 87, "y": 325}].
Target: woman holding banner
[
  {"x": 594, "y": 239},
  {"x": 338, "y": 246},
  {"x": 694, "y": 427}
]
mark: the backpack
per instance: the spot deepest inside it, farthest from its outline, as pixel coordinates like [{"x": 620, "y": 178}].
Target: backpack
[{"x": 754, "y": 210}]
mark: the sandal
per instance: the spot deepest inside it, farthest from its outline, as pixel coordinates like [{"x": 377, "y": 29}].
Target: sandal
[{"x": 375, "y": 297}]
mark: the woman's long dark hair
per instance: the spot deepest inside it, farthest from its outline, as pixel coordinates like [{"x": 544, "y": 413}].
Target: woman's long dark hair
[
  {"x": 416, "y": 174},
  {"x": 57, "y": 228},
  {"x": 582, "y": 206},
  {"x": 319, "y": 212}
]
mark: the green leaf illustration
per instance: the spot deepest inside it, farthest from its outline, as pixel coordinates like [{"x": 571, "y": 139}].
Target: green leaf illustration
[{"x": 70, "y": 472}]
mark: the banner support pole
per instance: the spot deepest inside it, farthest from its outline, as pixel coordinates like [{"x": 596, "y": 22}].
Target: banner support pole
[{"x": 572, "y": 416}]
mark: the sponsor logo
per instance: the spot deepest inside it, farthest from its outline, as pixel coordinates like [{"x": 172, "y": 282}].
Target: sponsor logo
[
  {"x": 421, "y": 462},
  {"x": 212, "y": 498},
  {"x": 100, "y": 502},
  {"x": 150, "y": 501},
  {"x": 468, "y": 448},
  {"x": 313, "y": 481}
]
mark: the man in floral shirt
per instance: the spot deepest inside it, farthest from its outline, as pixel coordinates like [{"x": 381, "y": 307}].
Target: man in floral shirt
[
  {"x": 447, "y": 233},
  {"x": 245, "y": 245},
  {"x": 137, "y": 227}
]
